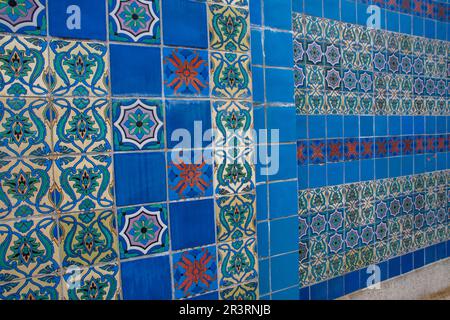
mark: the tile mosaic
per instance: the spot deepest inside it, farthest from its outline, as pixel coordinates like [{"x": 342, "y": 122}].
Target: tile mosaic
[
  {"x": 146, "y": 279},
  {"x": 230, "y": 75},
  {"x": 229, "y": 28},
  {"x": 82, "y": 183},
  {"x": 30, "y": 248},
  {"x": 83, "y": 125},
  {"x": 247, "y": 291},
  {"x": 186, "y": 72},
  {"x": 24, "y": 65},
  {"x": 28, "y": 17},
  {"x": 195, "y": 272},
  {"x": 96, "y": 283},
  {"x": 143, "y": 230},
  {"x": 78, "y": 68},
  {"x": 43, "y": 288},
  {"x": 134, "y": 21},
  {"x": 88, "y": 238},
  {"x": 26, "y": 186},
  {"x": 138, "y": 124},
  {"x": 25, "y": 126}
]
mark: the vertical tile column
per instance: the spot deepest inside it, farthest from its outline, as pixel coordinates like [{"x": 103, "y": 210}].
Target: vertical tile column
[
  {"x": 234, "y": 168},
  {"x": 275, "y": 112}
]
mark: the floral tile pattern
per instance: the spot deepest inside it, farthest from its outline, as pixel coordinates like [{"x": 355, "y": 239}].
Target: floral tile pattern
[
  {"x": 186, "y": 72},
  {"x": 24, "y": 65},
  {"x": 143, "y": 230},
  {"x": 25, "y": 187},
  {"x": 23, "y": 16},
  {"x": 83, "y": 183},
  {"x": 30, "y": 249},
  {"x": 83, "y": 125},
  {"x": 247, "y": 291},
  {"x": 78, "y": 69},
  {"x": 229, "y": 28},
  {"x": 97, "y": 283},
  {"x": 24, "y": 127},
  {"x": 42, "y": 288},
  {"x": 138, "y": 125},
  {"x": 134, "y": 20},
  {"x": 88, "y": 238},
  {"x": 195, "y": 272}
]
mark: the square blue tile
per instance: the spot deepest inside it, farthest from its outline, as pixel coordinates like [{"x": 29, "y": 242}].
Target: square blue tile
[
  {"x": 140, "y": 178},
  {"x": 283, "y": 199},
  {"x": 147, "y": 279},
  {"x": 136, "y": 76},
  {"x": 283, "y": 235},
  {"x": 185, "y": 23},
  {"x": 192, "y": 223},
  {"x": 284, "y": 271},
  {"x": 83, "y": 19},
  {"x": 273, "y": 41},
  {"x": 187, "y": 120},
  {"x": 279, "y": 85},
  {"x": 278, "y": 14}
]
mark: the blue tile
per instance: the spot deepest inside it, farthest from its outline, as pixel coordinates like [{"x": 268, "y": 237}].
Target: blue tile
[
  {"x": 395, "y": 167},
  {"x": 257, "y": 47},
  {"x": 392, "y": 21},
  {"x": 351, "y": 171},
  {"x": 283, "y": 199},
  {"x": 278, "y": 14},
  {"x": 313, "y": 7},
  {"x": 407, "y": 165},
  {"x": 348, "y": 11},
  {"x": 304, "y": 293},
  {"x": 351, "y": 282},
  {"x": 140, "y": 75},
  {"x": 317, "y": 176},
  {"x": 381, "y": 126},
  {"x": 441, "y": 125},
  {"x": 419, "y": 125},
  {"x": 255, "y": 12},
  {"x": 419, "y": 258},
  {"x": 335, "y": 173},
  {"x": 258, "y": 84},
  {"x": 336, "y": 288},
  {"x": 284, "y": 271},
  {"x": 316, "y": 127},
  {"x": 405, "y": 23},
  {"x": 302, "y": 129},
  {"x": 418, "y": 26},
  {"x": 287, "y": 166},
  {"x": 187, "y": 116},
  {"x": 261, "y": 202},
  {"x": 367, "y": 169},
  {"x": 430, "y": 29},
  {"x": 146, "y": 170},
  {"x": 264, "y": 277},
  {"x": 335, "y": 126},
  {"x": 440, "y": 251},
  {"x": 263, "y": 239},
  {"x": 430, "y": 125},
  {"x": 319, "y": 291},
  {"x": 394, "y": 267},
  {"x": 381, "y": 168},
  {"x": 430, "y": 254},
  {"x": 407, "y": 125},
  {"x": 185, "y": 23},
  {"x": 288, "y": 294},
  {"x": 366, "y": 126},
  {"x": 302, "y": 174},
  {"x": 282, "y": 119},
  {"x": 351, "y": 126},
  {"x": 384, "y": 275},
  {"x": 63, "y": 21},
  {"x": 283, "y": 235},
  {"x": 279, "y": 85},
  {"x": 407, "y": 263},
  {"x": 273, "y": 41},
  {"x": 192, "y": 223},
  {"x": 394, "y": 123},
  {"x": 146, "y": 279},
  {"x": 331, "y": 9}
]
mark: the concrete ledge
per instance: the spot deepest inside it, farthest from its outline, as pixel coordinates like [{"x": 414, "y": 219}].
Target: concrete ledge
[{"x": 429, "y": 282}]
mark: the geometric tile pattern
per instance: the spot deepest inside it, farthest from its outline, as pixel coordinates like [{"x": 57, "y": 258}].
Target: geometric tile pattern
[
  {"x": 234, "y": 171},
  {"x": 346, "y": 69},
  {"x": 348, "y": 227}
]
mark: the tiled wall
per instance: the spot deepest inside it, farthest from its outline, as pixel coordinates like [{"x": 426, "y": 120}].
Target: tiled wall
[
  {"x": 372, "y": 141},
  {"x": 97, "y": 201},
  {"x": 91, "y": 186}
]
